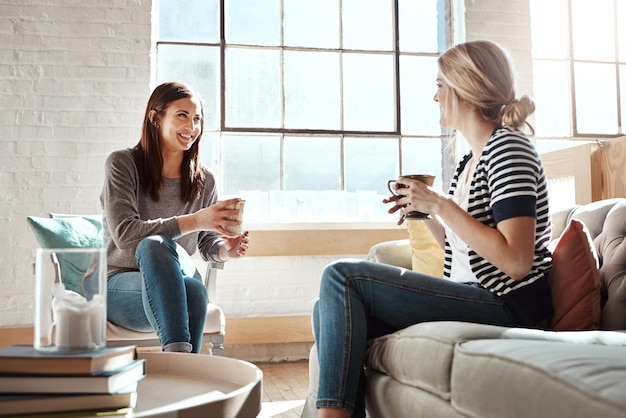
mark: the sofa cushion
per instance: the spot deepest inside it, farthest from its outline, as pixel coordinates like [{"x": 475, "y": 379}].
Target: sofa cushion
[
  {"x": 385, "y": 397},
  {"x": 434, "y": 341},
  {"x": 611, "y": 247},
  {"x": 397, "y": 253},
  {"x": 429, "y": 349},
  {"x": 575, "y": 281},
  {"x": 525, "y": 378}
]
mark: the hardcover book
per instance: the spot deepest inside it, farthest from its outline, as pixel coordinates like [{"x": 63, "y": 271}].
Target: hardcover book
[
  {"x": 25, "y": 359},
  {"x": 11, "y": 405},
  {"x": 101, "y": 382}
]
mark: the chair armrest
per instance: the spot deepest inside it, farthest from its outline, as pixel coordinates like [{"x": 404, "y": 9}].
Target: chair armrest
[
  {"x": 210, "y": 280},
  {"x": 210, "y": 273},
  {"x": 396, "y": 253}
]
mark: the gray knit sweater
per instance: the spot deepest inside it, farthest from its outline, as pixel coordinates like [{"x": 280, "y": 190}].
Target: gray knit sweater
[{"x": 130, "y": 214}]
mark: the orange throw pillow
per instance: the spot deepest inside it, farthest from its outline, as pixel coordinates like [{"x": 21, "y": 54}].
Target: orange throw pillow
[{"x": 575, "y": 281}]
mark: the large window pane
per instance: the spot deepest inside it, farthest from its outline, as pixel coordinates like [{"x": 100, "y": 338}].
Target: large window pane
[
  {"x": 418, "y": 24},
  {"x": 596, "y": 98},
  {"x": 549, "y": 33},
  {"x": 210, "y": 151},
  {"x": 367, "y": 24},
  {"x": 253, "y": 93},
  {"x": 311, "y": 23},
  {"x": 251, "y": 162},
  {"x": 193, "y": 21},
  {"x": 370, "y": 162},
  {"x": 420, "y": 113},
  {"x": 294, "y": 72},
  {"x": 312, "y": 91},
  {"x": 552, "y": 98},
  {"x": 252, "y": 22},
  {"x": 369, "y": 92},
  {"x": 312, "y": 163},
  {"x": 422, "y": 156},
  {"x": 197, "y": 66},
  {"x": 593, "y": 30}
]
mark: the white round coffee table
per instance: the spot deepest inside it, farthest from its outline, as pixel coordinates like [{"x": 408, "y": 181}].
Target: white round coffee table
[{"x": 197, "y": 385}]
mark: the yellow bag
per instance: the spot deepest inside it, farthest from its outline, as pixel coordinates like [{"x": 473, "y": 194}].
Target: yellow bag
[{"x": 426, "y": 254}]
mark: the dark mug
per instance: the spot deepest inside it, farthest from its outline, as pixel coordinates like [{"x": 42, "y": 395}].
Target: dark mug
[{"x": 427, "y": 179}]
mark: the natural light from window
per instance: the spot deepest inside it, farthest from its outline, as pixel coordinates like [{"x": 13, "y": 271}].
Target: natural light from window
[
  {"x": 579, "y": 67},
  {"x": 310, "y": 105}
]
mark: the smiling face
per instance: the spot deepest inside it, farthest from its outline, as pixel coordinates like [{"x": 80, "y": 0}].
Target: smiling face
[{"x": 180, "y": 124}]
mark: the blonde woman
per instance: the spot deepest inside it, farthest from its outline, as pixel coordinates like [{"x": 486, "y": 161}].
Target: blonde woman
[{"x": 493, "y": 225}]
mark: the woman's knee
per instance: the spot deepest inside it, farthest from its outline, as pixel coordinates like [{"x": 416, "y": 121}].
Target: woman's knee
[
  {"x": 155, "y": 245},
  {"x": 196, "y": 292},
  {"x": 337, "y": 272}
]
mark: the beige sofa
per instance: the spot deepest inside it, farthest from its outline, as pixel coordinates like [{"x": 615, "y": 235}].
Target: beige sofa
[{"x": 455, "y": 369}]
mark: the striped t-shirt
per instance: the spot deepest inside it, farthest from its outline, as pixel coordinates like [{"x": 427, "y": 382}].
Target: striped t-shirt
[{"x": 508, "y": 182}]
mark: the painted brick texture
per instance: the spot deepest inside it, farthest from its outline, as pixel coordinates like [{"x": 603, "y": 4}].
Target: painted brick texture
[{"x": 74, "y": 77}]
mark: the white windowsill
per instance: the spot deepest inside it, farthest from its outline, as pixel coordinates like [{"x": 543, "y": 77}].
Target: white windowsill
[{"x": 307, "y": 226}]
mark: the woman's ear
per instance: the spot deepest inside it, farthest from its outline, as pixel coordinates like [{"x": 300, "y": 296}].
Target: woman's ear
[{"x": 152, "y": 117}]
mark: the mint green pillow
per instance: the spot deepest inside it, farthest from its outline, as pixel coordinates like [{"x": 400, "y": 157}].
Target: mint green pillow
[{"x": 69, "y": 232}]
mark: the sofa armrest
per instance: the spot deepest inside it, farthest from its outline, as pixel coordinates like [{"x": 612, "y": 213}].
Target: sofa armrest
[{"x": 396, "y": 253}]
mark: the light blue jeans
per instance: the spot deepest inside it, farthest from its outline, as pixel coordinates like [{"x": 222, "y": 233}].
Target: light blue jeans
[
  {"x": 166, "y": 295},
  {"x": 360, "y": 300}
]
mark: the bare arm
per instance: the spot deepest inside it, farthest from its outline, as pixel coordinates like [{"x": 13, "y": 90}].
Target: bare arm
[
  {"x": 510, "y": 246},
  {"x": 215, "y": 217}
]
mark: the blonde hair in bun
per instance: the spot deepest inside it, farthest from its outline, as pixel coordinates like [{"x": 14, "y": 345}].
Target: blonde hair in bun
[{"x": 480, "y": 73}]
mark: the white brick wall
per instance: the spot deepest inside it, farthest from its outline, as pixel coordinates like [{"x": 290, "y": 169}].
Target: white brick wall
[
  {"x": 506, "y": 22},
  {"x": 74, "y": 80},
  {"x": 268, "y": 286}
]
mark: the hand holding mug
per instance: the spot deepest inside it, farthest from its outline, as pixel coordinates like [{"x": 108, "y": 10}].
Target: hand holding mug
[
  {"x": 238, "y": 206},
  {"x": 393, "y": 185},
  {"x": 224, "y": 217}
]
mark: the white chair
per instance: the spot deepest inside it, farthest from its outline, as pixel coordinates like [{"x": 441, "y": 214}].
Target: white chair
[{"x": 214, "y": 327}]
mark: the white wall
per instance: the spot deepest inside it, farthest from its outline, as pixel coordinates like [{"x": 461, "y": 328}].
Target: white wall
[{"x": 75, "y": 77}]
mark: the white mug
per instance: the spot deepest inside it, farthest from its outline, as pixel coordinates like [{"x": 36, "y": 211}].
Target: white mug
[{"x": 236, "y": 229}]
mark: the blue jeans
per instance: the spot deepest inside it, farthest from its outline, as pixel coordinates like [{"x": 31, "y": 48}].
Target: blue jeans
[
  {"x": 166, "y": 295},
  {"x": 360, "y": 300}
]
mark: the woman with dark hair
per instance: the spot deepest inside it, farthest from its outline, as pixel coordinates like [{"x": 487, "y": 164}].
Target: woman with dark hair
[
  {"x": 160, "y": 205},
  {"x": 493, "y": 225}
]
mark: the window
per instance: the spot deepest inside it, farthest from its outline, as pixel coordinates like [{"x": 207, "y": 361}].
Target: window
[
  {"x": 310, "y": 105},
  {"x": 579, "y": 67}
]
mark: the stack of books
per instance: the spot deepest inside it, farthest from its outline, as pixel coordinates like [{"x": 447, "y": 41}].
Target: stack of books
[{"x": 33, "y": 382}]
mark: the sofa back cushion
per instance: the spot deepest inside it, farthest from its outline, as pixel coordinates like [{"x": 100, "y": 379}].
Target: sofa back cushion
[
  {"x": 611, "y": 248},
  {"x": 606, "y": 223}
]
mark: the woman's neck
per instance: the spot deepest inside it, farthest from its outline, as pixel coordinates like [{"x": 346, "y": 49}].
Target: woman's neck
[
  {"x": 172, "y": 163},
  {"x": 477, "y": 132}
]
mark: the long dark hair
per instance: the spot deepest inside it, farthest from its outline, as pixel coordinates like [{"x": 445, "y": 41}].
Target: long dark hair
[{"x": 147, "y": 153}]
